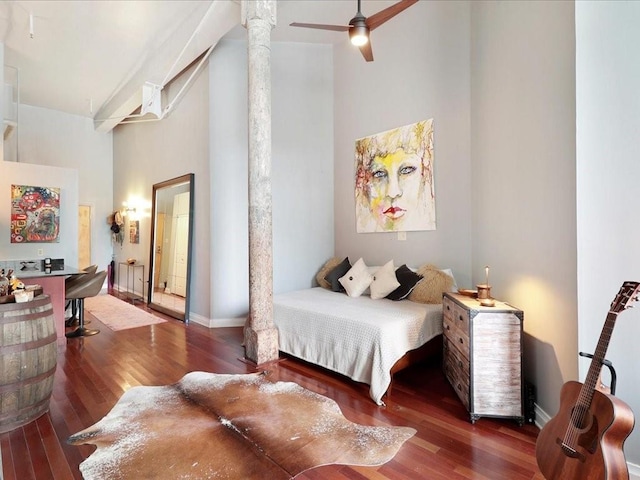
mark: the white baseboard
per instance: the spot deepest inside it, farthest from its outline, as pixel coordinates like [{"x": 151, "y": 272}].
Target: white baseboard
[
  {"x": 543, "y": 417},
  {"x": 216, "y": 322}
]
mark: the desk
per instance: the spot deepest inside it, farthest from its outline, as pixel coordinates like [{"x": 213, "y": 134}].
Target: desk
[{"x": 53, "y": 285}]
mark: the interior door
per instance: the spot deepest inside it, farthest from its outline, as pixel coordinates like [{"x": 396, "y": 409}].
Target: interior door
[
  {"x": 181, "y": 253},
  {"x": 159, "y": 246},
  {"x": 84, "y": 236}
]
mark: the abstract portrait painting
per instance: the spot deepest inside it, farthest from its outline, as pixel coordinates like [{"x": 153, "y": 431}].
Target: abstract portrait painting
[
  {"x": 394, "y": 188},
  {"x": 35, "y": 214}
]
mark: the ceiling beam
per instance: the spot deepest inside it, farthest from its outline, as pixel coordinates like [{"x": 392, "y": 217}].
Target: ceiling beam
[{"x": 162, "y": 66}]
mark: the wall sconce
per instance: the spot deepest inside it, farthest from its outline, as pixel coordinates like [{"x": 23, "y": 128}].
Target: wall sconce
[
  {"x": 136, "y": 208},
  {"x": 128, "y": 209}
]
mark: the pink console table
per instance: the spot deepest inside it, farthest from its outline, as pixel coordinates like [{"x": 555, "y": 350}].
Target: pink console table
[{"x": 52, "y": 285}]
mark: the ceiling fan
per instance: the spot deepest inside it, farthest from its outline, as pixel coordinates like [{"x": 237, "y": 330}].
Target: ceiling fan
[{"x": 360, "y": 26}]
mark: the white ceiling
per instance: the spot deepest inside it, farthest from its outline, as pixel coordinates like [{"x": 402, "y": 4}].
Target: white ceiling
[{"x": 87, "y": 57}]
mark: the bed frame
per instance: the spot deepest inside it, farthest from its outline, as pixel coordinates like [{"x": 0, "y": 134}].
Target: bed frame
[{"x": 430, "y": 351}]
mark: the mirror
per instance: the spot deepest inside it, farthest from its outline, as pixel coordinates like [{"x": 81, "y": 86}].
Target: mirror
[{"x": 170, "y": 252}]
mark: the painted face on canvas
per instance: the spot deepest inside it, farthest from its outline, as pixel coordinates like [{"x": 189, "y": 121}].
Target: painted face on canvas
[{"x": 395, "y": 182}]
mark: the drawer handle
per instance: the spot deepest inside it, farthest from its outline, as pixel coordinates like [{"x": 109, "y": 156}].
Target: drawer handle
[
  {"x": 459, "y": 364},
  {"x": 460, "y": 317},
  {"x": 460, "y": 387},
  {"x": 461, "y": 341},
  {"x": 448, "y": 327},
  {"x": 448, "y": 307}
]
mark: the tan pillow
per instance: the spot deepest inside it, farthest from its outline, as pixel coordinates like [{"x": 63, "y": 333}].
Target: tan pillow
[
  {"x": 326, "y": 268},
  {"x": 431, "y": 287}
]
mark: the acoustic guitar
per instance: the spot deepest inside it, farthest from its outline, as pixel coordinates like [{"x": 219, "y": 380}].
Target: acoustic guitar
[{"x": 584, "y": 441}]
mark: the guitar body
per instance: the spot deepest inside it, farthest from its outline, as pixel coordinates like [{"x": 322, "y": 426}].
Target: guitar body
[{"x": 598, "y": 444}]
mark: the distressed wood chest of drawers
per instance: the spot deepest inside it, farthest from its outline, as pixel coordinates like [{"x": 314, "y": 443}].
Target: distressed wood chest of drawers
[{"x": 483, "y": 356}]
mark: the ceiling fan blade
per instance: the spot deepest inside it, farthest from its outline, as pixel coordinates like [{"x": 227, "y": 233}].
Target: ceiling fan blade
[
  {"x": 366, "y": 51},
  {"x": 319, "y": 26},
  {"x": 377, "y": 19}
]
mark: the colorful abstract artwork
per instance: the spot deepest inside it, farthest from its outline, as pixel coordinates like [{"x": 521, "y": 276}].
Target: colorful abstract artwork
[
  {"x": 394, "y": 189},
  {"x": 35, "y": 214}
]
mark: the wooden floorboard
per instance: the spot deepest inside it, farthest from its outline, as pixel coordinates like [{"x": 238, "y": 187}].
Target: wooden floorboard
[{"x": 94, "y": 372}]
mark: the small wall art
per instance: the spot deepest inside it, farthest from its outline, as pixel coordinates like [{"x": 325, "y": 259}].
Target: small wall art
[
  {"x": 134, "y": 231},
  {"x": 394, "y": 189},
  {"x": 35, "y": 214}
]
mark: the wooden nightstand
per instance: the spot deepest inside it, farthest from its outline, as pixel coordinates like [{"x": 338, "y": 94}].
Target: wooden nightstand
[{"x": 483, "y": 356}]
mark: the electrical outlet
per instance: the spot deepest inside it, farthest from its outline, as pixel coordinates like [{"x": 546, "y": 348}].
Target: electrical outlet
[
  {"x": 40, "y": 252},
  {"x": 402, "y": 236}
]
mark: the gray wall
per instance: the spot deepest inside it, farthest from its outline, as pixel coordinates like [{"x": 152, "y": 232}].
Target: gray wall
[
  {"x": 57, "y": 139},
  {"x": 420, "y": 74},
  {"x": 148, "y": 153},
  {"x": 207, "y": 135},
  {"x": 302, "y": 171},
  {"x": 523, "y": 157},
  {"x": 608, "y": 105}
]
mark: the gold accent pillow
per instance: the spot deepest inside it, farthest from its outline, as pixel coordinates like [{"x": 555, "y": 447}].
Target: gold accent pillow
[{"x": 432, "y": 285}]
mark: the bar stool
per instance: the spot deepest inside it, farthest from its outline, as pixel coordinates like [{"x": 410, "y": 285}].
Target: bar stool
[
  {"x": 68, "y": 283},
  {"x": 90, "y": 286}
]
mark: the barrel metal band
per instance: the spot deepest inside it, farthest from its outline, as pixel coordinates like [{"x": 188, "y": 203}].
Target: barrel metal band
[
  {"x": 33, "y": 344},
  {"x": 27, "y": 381},
  {"x": 38, "y": 301},
  {"x": 27, "y": 409},
  {"x": 5, "y": 319}
]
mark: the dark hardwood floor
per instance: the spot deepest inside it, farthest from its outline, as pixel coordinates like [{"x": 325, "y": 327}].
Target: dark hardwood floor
[{"x": 94, "y": 372}]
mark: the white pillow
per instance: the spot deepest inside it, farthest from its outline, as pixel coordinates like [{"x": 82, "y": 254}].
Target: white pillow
[
  {"x": 357, "y": 279},
  {"x": 384, "y": 281},
  {"x": 448, "y": 271},
  {"x": 454, "y": 287}
]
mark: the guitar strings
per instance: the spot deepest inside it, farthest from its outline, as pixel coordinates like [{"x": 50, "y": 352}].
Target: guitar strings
[{"x": 583, "y": 404}]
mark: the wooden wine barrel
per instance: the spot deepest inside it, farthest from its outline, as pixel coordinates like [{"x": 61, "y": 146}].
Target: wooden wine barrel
[{"x": 28, "y": 356}]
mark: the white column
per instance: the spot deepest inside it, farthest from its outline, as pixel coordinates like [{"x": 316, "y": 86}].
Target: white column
[{"x": 260, "y": 334}]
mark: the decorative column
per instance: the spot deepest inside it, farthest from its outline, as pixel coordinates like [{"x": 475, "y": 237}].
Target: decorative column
[{"x": 260, "y": 334}]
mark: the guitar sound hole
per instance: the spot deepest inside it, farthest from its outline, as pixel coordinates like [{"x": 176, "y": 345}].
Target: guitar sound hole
[{"x": 579, "y": 417}]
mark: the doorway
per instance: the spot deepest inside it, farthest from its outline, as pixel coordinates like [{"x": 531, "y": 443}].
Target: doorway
[{"x": 84, "y": 236}]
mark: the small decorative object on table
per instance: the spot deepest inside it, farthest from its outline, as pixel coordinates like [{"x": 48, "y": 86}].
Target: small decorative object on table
[
  {"x": 484, "y": 290},
  {"x": 468, "y": 293},
  {"x": 12, "y": 290},
  {"x": 4, "y": 284}
]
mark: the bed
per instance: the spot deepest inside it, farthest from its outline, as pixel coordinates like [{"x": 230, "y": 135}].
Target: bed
[{"x": 367, "y": 340}]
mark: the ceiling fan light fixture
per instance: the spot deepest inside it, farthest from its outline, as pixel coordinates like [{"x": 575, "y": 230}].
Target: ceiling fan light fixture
[{"x": 359, "y": 35}]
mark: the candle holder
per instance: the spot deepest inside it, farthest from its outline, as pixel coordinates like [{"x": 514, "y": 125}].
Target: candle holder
[{"x": 484, "y": 291}]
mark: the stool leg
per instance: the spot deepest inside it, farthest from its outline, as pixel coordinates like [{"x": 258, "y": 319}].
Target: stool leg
[
  {"x": 81, "y": 331},
  {"x": 73, "y": 321}
]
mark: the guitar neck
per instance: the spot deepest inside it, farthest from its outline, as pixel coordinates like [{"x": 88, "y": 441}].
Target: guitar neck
[{"x": 589, "y": 385}]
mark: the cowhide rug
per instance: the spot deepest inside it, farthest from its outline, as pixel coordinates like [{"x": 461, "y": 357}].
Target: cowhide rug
[{"x": 229, "y": 427}]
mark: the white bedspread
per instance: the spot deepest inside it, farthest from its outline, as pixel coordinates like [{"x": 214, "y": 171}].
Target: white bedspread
[{"x": 357, "y": 337}]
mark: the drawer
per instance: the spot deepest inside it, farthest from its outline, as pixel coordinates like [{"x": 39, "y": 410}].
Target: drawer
[
  {"x": 448, "y": 308},
  {"x": 456, "y": 369},
  {"x": 456, "y": 359},
  {"x": 456, "y": 314},
  {"x": 461, "y": 318},
  {"x": 458, "y": 338}
]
